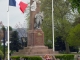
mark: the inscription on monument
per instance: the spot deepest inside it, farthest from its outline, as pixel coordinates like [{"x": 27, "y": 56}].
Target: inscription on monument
[{"x": 39, "y": 34}]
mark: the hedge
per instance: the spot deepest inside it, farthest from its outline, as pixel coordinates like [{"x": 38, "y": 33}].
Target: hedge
[
  {"x": 26, "y": 58},
  {"x": 32, "y": 58},
  {"x": 15, "y": 57},
  {"x": 65, "y": 57}
]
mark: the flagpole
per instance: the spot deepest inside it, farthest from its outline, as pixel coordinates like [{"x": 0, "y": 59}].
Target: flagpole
[
  {"x": 8, "y": 28},
  {"x": 53, "y": 26}
]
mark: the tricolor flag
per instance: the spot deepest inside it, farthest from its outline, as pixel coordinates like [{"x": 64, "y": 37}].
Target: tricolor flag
[{"x": 18, "y": 3}]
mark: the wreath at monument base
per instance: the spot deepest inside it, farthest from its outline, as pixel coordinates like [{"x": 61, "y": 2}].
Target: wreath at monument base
[{"x": 47, "y": 57}]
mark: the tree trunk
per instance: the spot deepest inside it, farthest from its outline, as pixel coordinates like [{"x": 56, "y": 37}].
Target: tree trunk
[{"x": 67, "y": 47}]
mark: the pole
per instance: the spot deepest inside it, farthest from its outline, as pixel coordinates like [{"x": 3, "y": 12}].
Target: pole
[
  {"x": 8, "y": 27},
  {"x": 53, "y": 26}
]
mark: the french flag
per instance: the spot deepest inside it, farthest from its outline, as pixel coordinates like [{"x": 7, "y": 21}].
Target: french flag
[{"x": 18, "y": 3}]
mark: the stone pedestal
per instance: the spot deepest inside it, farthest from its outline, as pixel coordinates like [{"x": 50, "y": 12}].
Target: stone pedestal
[{"x": 35, "y": 38}]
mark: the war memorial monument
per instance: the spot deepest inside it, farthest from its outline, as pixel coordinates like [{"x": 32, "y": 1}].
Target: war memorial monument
[{"x": 35, "y": 44}]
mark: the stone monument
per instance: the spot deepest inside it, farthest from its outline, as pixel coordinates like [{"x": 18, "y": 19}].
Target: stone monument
[{"x": 35, "y": 34}]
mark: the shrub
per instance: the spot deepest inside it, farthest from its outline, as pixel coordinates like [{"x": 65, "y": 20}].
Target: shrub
[
  {"x": 59, "y": 56},
  {"x": 26, "y": 58},
  {"x": 32, "y": 58},
  {"x": 65, "y": 56},
  {"x": 1, "y": 54},
  {"x": 15, "y": 57}
]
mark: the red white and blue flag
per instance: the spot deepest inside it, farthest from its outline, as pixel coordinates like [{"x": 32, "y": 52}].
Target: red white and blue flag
[{"x": 18, "y": 3}]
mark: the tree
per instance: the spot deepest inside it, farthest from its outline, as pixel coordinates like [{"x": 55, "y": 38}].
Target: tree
[
  {"x": 10, "y": 28},
  {"x": 59, "y": 44},
  {"x": 1, "y": 47},
  {"x": 1, "y": 54},
  {"x": 77, "y": 21},
  {"x": 61, "y": 21},
  {"x": 62, "y": 24},
  {"x": 15, "y": 44},
  {"x": 74, "y": 36},
  {"x": 75, "y": 4},
  {"x": 47, "y": 22}
]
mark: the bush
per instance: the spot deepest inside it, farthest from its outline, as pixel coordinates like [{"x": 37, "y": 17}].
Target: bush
[
  {"x": 1, "y": 54},
  {"x": 26, "y": 58},
  {"x": 65, "y": 57},
  {"x": 32, "y": 58},
  {"x": 15, "y": 57},
  {"x": 74, "y": 49}
]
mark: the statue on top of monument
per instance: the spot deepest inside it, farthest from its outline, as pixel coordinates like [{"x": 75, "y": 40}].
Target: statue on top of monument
[
  {"x": 34, "y": 6},
  {"x": 38, "y": 20}
]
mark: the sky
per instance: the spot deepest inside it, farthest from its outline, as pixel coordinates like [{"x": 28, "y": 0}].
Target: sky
[{"x": 15, "y": 15}]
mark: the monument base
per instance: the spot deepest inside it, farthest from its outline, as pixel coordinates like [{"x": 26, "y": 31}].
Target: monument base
[
  {"x": 35, "y": 46},
  {"x": 33, "y": 51},
  {"x": 35, "y": 37}
]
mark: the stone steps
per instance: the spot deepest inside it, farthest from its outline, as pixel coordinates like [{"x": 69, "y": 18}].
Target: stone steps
[{"x": 34, "y": 50}]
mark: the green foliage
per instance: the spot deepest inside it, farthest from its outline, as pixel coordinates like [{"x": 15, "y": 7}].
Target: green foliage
[
  {"x": 32, "y": 58},
  {"x": 75, "y": 4},
  {"x": 74, "y": 49},
  {"x": 47, "y": 22},
  {"x": 61, "y": 21},
  {"x": 65, "y": 57},
  {"x": 59, "y": 56},
  {"x": 15, "y": 45},
  {"x": 10, "y": 28},
  {"x": 27, "y": 57},
  {"x": 77, "y": 21},
  {"x": 74, "y": 36},
  {"x": 3, "y": 28},
  {"x": 2, "y": 51},
  {"x": 1, "y": 54},
  {"x": 1, "y": 47},
  {"x": 59, "y": 44},
  {"x": 62, "y": 25},
  {"x": 15, "y": 57}
]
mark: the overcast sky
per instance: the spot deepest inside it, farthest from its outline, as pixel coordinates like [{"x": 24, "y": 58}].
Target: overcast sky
[{"x": 15, "y": 15}]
